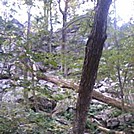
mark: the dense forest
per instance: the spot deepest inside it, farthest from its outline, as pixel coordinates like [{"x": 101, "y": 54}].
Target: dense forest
[{"x": 66, "y": 67}]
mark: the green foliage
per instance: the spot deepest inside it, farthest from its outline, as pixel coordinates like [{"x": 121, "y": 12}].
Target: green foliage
[
  {"x": 7, "y": 125},
  {"x": 116, "y": 113},
  {"x": 92, "y": 127},
  {"x": 118, "y": 56},
  {"x": 28, "y": 122},
  {"x": 96, "y": 108}
]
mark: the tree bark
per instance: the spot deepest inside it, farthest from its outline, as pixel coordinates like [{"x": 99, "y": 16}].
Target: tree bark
[{"x": 93, "y": 54}]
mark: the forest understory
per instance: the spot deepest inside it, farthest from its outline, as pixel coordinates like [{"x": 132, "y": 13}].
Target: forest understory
[{"x": 42, "y": 68}]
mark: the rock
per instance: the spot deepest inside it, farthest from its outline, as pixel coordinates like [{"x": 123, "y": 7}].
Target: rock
[
  {"x": 43, "y": 104},
  {"x": 122, "y": 120},
  {"x": 112, "y": 123},
  {"x": 104, "y": 115},
  {"x": 4, "y": 84},
  {"x": 13, "y": 95}
]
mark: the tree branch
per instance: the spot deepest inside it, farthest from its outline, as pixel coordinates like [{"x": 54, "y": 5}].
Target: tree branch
[
  {"x": 59, "y": 1},
  {"x": 107, "y": 131}
]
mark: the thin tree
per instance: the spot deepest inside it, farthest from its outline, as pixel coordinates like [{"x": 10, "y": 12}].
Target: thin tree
[
  {"x": 118, "y": 66},
  {"x": 93, "y": 52},
  {"x": 64, "y": 36}
]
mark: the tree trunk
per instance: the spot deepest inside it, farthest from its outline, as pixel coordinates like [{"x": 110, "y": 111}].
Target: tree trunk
[
  {"x": 93, "y": 54},
  {"x": 64, "y": 37},
  {"x": 27, "y": 48},
  {"x": 51, "y": 27},
  {"x": 118, "y": 66},
  {"x": 46, "y": 15}
]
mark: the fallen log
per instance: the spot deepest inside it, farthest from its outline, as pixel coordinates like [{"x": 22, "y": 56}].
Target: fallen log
[
  {"x": 96, "y": 95},
  {"x": 108, "y": 131}
]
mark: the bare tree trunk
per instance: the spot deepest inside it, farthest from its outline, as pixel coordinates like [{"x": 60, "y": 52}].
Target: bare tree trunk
[
  {"x": 64, "y": 37},
  {"x": 93, "y": 54},
  {"x": 46, "y": 14},
  {"x": 121, "y": 83},
  {"x": 51, "y": 27},
  {"x": 27, "y": 47}
]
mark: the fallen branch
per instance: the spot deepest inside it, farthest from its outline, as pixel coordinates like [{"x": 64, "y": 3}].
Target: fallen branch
[
  {"x": 96, "y": 95},
  {"x": 108, "y": 131}
]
